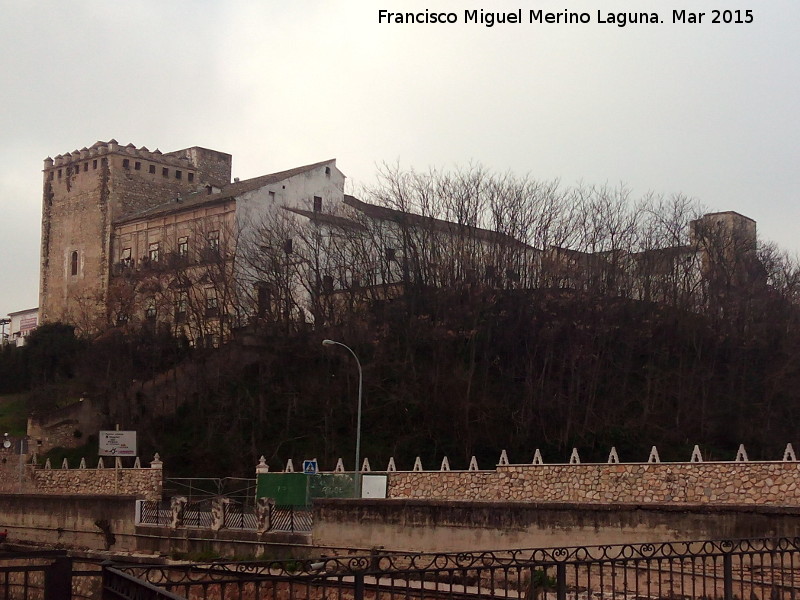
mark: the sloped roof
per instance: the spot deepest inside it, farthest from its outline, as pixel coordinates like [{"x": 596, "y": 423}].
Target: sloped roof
[
  {"x": 408, "y": 218},
  {"x": 203, "y": 198},
  {"x": 325, "y": 218}
]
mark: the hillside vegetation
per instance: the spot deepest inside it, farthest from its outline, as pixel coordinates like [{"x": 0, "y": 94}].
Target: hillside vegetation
[{"x": 507, "y": 370}]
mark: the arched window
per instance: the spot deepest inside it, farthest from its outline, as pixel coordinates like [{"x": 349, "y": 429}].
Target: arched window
[{"x": 73, "y": 263}]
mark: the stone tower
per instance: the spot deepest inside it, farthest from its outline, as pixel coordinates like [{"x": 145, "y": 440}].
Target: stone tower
[{"x": 84, "y": 193}]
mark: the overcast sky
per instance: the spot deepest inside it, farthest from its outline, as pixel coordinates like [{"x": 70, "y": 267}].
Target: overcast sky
[{"x": 709, "y": 110}]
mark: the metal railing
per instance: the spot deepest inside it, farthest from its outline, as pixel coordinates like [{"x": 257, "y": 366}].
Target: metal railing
[
  {"x": 298, "y": 519},
  {"x": 202, "y": 488},
  {"x": 198, "y": 515},
  {"x": 240, "y": 516},
  {"x": 154, "y": 513},
  {"x": 34, "y": 575},
  {"x": 121, "y": 586},
  {"x": 763, "y": 569}
]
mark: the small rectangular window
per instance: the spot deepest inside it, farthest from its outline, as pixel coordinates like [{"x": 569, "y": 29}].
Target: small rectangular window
[
  {"x": 152, "y": 253},
  {"x": 262, "y": 299},
  {"x": 150, "y": 309},
  {"x": 165, "y": 172},
  {"x": 125, "y": 257},
  {"x": 126, "y": 164},
  {"x": 211, "y": 299},
  {"x": 190, "y": 177},
  {"x": 85, "y": 167},
  {"x": 94, "y": 164},
  {"x": 183, "y": 246},
  {"x": 50, "y": 176},
  {"x": 151, "y": 169},
  {"x": 317, "y": 204},
  {"x": 178, "y": 174},
  {"x": 59, "y": 173},
  {"x": 213, "y": 241},
  {"x": 137, "y": 166},
  {"x": 181, "y": 306}
]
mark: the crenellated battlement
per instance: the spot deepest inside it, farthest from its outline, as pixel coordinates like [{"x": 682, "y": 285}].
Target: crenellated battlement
[{"x": 100, "y": 149}]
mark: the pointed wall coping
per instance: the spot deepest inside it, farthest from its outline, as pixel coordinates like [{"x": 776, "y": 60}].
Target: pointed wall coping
[
  {"x": 436, "y": 471},
  {"x": 573, "y": 461}
]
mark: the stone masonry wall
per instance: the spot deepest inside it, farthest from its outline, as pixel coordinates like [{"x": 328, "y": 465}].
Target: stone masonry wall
[
  {"x": 761, "y": 483},
  {"x": 145, "y": 484}
]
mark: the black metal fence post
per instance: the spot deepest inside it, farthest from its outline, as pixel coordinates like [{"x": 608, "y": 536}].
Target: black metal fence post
[
  {"x": 561, "y": 581},
  {"x": 727, "y": 576},
  {"x": 58, "y": 579},
  {"x": 359, "y": 586}
]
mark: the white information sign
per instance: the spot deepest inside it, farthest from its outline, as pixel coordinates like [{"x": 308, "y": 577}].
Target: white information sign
[{"x": 117, "y": 443}]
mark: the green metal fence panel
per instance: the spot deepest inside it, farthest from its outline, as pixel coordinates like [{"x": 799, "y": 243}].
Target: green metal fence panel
[
  {"x": 331, "y": 485},
  {"x": 287, "y": 489}
]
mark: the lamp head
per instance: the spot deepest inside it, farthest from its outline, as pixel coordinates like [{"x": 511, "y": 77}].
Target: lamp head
[{"x": 328, "y": 343}]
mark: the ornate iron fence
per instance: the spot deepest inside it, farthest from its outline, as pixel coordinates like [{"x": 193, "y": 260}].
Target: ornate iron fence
[
  {"x": 764, "y": 569},
  {"x": 34, "y": 575},
  {"x": 121, "y": 586}
]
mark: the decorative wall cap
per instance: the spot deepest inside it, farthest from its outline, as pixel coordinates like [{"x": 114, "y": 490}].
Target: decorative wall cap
[{"x": 503, "y": 459}]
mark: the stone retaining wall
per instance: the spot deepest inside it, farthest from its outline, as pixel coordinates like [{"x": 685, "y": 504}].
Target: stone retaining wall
[
  {"x": 761, "y": 483},
  {"x": 453, "y": 526}
]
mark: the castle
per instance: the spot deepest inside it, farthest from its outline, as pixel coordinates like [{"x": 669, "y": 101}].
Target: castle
[
  {"x": 109, "y": 211},
  {"x": 133, "y": 235}
]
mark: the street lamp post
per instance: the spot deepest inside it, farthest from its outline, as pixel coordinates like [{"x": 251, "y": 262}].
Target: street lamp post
[{"x": 357, "y": 472}]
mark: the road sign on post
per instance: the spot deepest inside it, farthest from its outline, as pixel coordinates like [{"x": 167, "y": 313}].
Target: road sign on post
[{"x": 117, "y": 443}]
